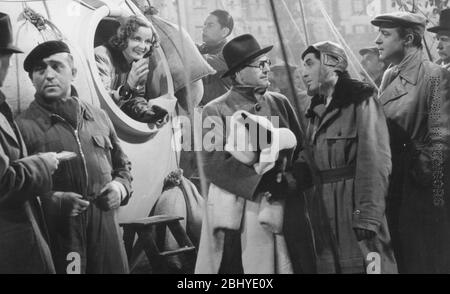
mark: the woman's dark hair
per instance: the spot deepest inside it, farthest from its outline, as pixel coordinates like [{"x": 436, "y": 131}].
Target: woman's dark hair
[
  {"x": 417, "y": 38},
  {"x": 127, "y": 29}
]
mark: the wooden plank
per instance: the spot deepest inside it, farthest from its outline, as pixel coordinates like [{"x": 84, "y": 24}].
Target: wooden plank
[{"x": 178, "y": 251}]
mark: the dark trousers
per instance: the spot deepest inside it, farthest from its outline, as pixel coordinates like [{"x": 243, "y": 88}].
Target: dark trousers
[
  {"x": 88, "y": 243},
  {"x": 232, "y": 254}
]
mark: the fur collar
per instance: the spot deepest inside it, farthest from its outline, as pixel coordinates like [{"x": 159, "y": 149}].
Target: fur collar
[{"x": 346, "y": 92}]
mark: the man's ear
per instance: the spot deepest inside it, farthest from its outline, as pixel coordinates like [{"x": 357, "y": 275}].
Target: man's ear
[
  {"x": 225, "y": 32},
  {"x": 409, "y": 38},
  {"x": 74, "y": 73},
  {"x": 238, "y": 77}
]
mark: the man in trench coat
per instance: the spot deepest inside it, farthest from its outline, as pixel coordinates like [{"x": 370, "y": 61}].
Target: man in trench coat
[
  {"x": 23, "y": 243},
  {"x": 415, "y": 96},
  {"x": 350, "y": 147}
]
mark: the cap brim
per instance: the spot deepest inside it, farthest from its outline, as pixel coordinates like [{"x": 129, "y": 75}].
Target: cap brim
[
  {"x": 11, "y": 49},
  {"x": 385, "y": 23},
  {"x": 243, "y": 62},
  {"x": 436, "y": 29}
]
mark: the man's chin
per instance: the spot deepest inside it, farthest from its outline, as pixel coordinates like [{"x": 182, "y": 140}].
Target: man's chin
[
  {"x": 50, "y": 96},
  {"x": 312, "y": 92}
]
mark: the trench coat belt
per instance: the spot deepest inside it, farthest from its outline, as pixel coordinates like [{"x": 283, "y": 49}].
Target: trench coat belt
[{"x": 335, "y": 175}]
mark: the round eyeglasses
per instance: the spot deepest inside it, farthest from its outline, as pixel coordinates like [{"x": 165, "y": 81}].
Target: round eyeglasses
[{"x": 262, "y": 64}]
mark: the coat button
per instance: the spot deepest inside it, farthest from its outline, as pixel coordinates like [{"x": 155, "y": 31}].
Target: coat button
[
  {"x": 357, "y": 212},
  {"x": 257, "y": 107},
  {"x": 339, "y": 134}
]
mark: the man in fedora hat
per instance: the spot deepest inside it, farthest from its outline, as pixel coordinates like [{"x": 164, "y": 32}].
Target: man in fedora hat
[
  {"x": 87, "y": 190},
  {"x": 234, "y": 238},
  {"x": 415, "y": 94},
  {"x": 23, "y": 245},
  {"x": 442, "y": 32},
  {"x": 372, "y": 64}
]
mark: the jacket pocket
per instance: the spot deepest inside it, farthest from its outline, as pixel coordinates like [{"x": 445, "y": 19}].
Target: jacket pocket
[
  {"x": 102, "y": 142},
  {"x": 102, "y": 149},
  {"x": 341, "y": 134},
  {"x": 341, "y": 146}
]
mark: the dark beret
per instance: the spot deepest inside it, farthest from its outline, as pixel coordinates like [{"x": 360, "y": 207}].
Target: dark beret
[
  {"x": 42, "y": 51},
  {"x": 401, "y": 19}
]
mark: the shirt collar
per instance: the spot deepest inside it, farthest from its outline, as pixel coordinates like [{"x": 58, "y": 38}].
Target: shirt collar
[
  {"x": 86, "y": 113},
  {"x": 249, "y": 92}
]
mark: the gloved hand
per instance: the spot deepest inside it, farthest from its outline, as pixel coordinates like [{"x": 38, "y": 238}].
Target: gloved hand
[
  {"x": 421, "y": 169},
  {"x": 110, "y": 197},
  {"x": 275, "y": 181},
  {"x": 138, "y": 109},
  {"x": 157, "y": 115}
]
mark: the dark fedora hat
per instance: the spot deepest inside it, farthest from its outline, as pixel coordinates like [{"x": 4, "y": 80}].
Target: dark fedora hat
[
  {"x": 241, "y": 50},
  {"x": 6, "y": 35},
  {"x": 444, "y": 22}
]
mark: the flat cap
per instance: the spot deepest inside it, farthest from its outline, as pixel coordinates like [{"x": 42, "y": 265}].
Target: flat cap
[
  {"x": 401, "y": 19},
  {"x": 42, "y": 51},
  {"x": 332, "y": 54},
  {"x": 364, "y": 51}
]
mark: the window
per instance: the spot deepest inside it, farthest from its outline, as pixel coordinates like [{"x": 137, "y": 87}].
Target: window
[
  {"x": 359, "y": 29},
  {"x": 199, "y": 3},
  {"x": 358, "y": 7}
]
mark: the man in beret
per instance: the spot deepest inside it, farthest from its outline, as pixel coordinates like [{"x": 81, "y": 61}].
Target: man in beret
[
  {"x": 87, "y": 190},
  {"x": 442, "y": 32},
  {"x": 23, "y": 245},
  {"x": 234, "y": 238},
  {"x": 372, "y": 64},
  {"x": 415, "y": 94}
]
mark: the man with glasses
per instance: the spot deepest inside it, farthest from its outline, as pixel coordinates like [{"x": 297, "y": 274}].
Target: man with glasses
[
  {"x": 234, "y": 239},
  {"x": 442, "y": 32}
]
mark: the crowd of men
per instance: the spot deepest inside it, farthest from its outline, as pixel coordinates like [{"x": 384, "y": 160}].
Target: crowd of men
[{"x": 357, "y": 175}]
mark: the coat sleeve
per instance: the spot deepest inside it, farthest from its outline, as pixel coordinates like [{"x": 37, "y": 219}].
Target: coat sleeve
[
  {"x": 105, "y": 70},
  {"x": 430, "y": 160},
  {"x": 294, "y": 126},
  {"x": 220, "y": 167},
  {"x": 121, "y": 165},
  {"x": 373, "y": 166},
  {"x": 217, "y": 62},
  {"x": 22, "y": 178}
]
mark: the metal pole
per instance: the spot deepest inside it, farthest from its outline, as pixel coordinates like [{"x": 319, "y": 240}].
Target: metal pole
[
  {"x": 305, "y": 29},
  {"x": 307, "y": 148},
  {"x": 187, "y": 76}
]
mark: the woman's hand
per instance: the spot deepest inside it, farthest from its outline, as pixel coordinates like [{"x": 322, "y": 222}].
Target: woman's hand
[{"x": 138, "y": 73}]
